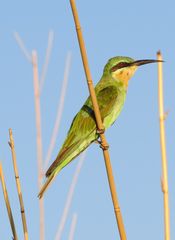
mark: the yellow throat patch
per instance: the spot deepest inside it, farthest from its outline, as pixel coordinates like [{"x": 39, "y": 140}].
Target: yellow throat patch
[{"x": 124, "y": 74}]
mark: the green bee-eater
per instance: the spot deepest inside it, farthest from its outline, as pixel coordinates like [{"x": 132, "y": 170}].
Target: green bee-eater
[{"x": 110, "y": 92}]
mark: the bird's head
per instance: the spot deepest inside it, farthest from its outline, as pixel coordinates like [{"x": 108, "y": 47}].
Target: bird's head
[{"x": 123, "y": 68}]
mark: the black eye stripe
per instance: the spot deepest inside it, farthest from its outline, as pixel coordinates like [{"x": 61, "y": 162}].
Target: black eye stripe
[{"x": 119, "y": 65}]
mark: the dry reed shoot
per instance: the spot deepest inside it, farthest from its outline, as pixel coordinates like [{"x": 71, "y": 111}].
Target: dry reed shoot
[{"x": 100, "y": 126}]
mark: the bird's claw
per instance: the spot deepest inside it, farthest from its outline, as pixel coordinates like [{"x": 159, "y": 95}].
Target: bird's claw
[
  {"x": 100, "y": 131},
  {"x": 104, "y": 147}
]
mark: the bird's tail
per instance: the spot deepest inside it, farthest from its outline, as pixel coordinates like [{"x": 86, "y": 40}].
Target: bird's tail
[{"x": 47, "y": 183}]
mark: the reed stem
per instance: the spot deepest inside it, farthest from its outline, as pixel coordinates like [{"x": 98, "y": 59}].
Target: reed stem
[
  {"x": 18, "y": 185},
  {"x": 99, "y": 123},
  {"x": 7, "y": 202},
  {"x": 38, "y": 137},
  {"x": 162, "y": 116}
]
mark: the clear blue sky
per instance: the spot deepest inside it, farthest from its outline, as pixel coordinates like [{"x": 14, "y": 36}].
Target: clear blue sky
[{"x": 129, "y": 28}]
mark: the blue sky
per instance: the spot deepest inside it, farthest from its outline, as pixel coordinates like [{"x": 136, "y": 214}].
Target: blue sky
[{"x": 130, "y": 28}]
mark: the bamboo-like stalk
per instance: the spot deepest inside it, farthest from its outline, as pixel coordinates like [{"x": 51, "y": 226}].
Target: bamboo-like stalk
[
  {"x": 7, "y": 202},
  {"x": 72, "y": 227},
  {"x": 100, "y": 126},
  {"x": 38, "y": 138},
  {"x": 59, "y": 111},
  {"x": 12, "y": 146},
  {"x": 163, "y": 149},
  {"x": 69, "y": 197}
]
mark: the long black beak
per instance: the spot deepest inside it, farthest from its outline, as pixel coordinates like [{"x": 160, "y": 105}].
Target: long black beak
[
  {"x": 135, "y": 63},
  {"x": 142, "y": 62}
]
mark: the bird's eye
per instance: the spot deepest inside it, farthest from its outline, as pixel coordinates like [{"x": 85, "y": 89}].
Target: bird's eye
[{"x": 119, "y": 65}]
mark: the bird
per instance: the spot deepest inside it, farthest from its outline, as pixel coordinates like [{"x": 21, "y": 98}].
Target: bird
[{"x": 111, "y": 92}]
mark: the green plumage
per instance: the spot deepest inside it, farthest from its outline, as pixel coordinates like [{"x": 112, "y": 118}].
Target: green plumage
[
  {"x": 110, "y": 92},
  {"x": 110, "y": 97}
]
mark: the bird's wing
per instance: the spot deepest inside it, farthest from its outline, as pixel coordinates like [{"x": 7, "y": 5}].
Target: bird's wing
[
  {"x": 84, "y": 124},
  {"x": 106, "y": 99}
]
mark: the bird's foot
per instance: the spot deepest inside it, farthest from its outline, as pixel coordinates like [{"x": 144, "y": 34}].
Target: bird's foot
[
  {"x": 100, "y": 131},
  {"x": 102, "y": 145}
]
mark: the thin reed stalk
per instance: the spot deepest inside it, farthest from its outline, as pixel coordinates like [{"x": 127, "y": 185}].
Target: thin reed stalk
[
  {"x": 18, "y": 185},
  {"x": 69, "y": 197},
  {"x": 72, "y": 227},
  {"x": 22, "y": 46},
  {"x": 162, "y": 117},
  {"x": 38, "y": 137},
  {"x": 7, "y": 202},
  {"x": 100, "y": 126}
]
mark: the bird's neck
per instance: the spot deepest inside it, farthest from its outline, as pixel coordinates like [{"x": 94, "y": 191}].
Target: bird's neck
[{"x": 110, "y": 80}]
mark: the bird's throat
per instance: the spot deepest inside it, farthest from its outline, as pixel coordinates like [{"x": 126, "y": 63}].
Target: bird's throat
[{"x": 124, "y": 74}]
